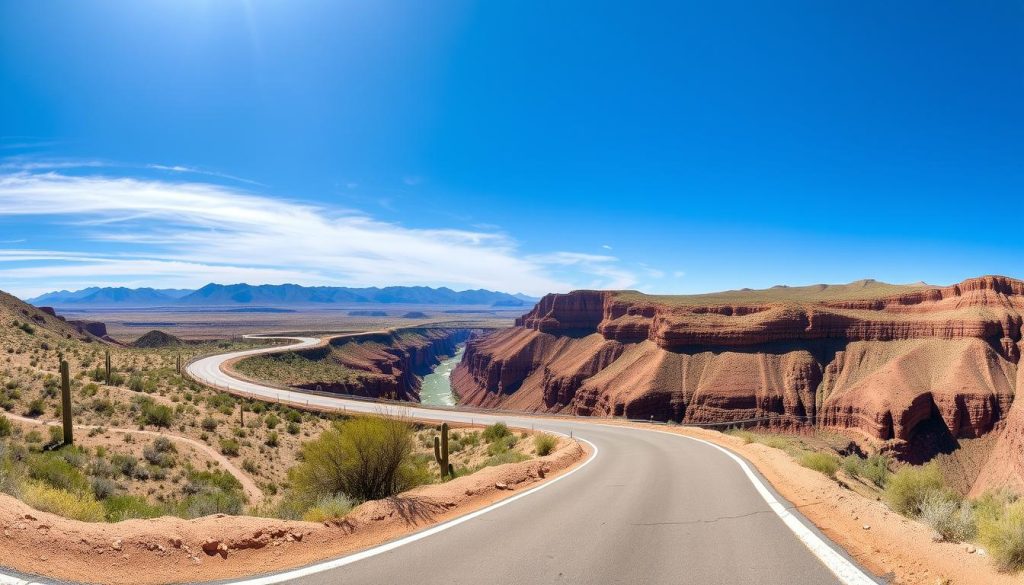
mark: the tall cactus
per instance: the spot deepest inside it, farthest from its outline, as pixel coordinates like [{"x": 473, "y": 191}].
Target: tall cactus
[
  {"x": 65, "y": 403},
  {"x": 178, "y": 367},
  {"x": 441, "y": 452},
  {"x": 108, "y": 367}
]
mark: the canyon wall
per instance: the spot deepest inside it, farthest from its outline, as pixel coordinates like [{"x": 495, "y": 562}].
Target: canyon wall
[
  {"x": 383, "y": 365},
  {"x": 915, "y": 367}
]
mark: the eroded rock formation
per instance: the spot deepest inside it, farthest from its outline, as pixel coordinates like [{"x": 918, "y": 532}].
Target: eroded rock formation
[{"x": 913, "y": 366}]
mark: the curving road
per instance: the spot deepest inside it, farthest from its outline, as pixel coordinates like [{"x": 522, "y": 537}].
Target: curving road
[{"x": 649, "y": 507}]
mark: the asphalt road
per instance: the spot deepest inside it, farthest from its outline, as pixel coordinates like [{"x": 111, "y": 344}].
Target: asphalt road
[{"x": 648, "y": 508}]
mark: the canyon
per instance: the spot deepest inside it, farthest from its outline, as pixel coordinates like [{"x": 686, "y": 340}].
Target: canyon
[
  {"x": 914, "y": 370},
  {"x": 385, "y": 364}
]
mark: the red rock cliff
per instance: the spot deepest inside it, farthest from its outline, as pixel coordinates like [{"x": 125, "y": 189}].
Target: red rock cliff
[{"x": 914, "y": 365}]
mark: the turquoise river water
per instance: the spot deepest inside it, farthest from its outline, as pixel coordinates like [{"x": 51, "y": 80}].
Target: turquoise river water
[{"x": 436, "y": 389}]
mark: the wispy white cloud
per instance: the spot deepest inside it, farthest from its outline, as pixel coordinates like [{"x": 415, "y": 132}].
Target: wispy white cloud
[
  {"x": 195, "y": 171},
  {"x": 188, "y": 233}
]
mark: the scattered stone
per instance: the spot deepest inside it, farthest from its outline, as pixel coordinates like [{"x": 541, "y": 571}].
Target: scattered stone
[
  {"x": 297, "y": 536},
  {"x": 470, "y": 492},
  {"x": 501, "y": 485},
  {"x": 970, "y": 549},
  {"x": 176, "y": 542},
  {"x": 116, "y": 545},
  {"x": 212, "y": 547},
  {"x": 867, "y": 527},
  {"x": 28, "y": 517}
]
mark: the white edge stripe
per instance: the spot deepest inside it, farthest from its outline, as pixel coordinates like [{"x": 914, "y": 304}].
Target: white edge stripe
[
  {"x": 341, "y": 562},
  {"x": 847, "y": 572}
]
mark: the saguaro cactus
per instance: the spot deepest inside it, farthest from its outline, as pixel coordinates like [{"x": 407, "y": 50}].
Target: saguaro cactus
[
  {"x": 441, "y": 452},
  {"x": 108, "y": 367},
  {"x": 178, "y": 367},
  {"x": 65, "y": 403}
]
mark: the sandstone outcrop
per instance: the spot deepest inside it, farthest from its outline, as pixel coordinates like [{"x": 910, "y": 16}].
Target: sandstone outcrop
[{"x": 913, "y": 368}]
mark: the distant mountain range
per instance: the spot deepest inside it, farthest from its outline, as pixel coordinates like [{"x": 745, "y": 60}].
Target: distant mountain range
[{"x": 276, "y": 295}]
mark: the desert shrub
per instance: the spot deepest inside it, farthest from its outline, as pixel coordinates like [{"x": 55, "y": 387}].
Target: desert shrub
[
  {"x": 6, "y": 428},
  {"x": 746, "y": 436},
  {"x": 229, "y": 447},
  {"x": 826, "y": 463},
  {"x": 503, "y": 444},
  {"x": 851, "y": 465},
  {"x": 126, "y": 464},
  {"x": 136, "y": 383},
  {"x": 36, "y": 408},
  {"x": 293, "y": 428},
  {"x": 272, "y": 421},
  {"x": 160, "y": 452},
  {"x": 103, "y": 406},
  {"x": 876, "y": 469},
  {"x": 364, "y": 458},
  {"x": 157, "y": 415},
  {"x": 470, "y": 439},
  {"x": 949, "y": 516},
  {"x": 545, "y": 444},
  {"x": 209, "y": 424},
  {"x": 329, "y": 509},
  {"x": 103, "y": 488},
  {"x": 249, "y": 466},
  {"x": 273, "y": 440},
  {"x": 1001, "y": 531},
  {"x": 55, "y": 471},
  {"x": 496, "y": 431},
  {"x": 908, "y": 487},
  {"x": 125, "y": 507},
  {"x": 505, "y": 457},
  {"x": 75, "y": 505}
]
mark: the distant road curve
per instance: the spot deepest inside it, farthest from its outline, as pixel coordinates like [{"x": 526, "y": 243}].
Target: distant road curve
[{"x": 650, "y": 507}]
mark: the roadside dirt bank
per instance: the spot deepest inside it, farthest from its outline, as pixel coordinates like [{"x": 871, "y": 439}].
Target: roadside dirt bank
[
  {"x": 172, "y": 550},
  {"x": 890, "y": 545}
]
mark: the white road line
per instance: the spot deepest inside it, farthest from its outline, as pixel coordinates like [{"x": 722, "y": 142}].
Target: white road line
[
  {"x": 341, "y": 562},
  {"x": 847, "y": 572}
]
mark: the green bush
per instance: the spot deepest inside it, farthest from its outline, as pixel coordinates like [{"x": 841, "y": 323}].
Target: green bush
[
  {"x": 52, "y": 469},
  {"x": 125, "y": 507},
  {"x": 1001, "y": 532},
  {"x": 908, "y": 487},
  {"x": 229, "y": 447},
  {"x": 874, "y": 469},
  {"x": 272, "y": 421},
  {"x": 328, "y": 509},
  {"x": 157, "y": 415},
  {"x": 36, "y": 408},
  {"x": 545, "y": 444},
  {"x": 505, "y": 457},
  {"x": 502, "y": 445},
  {"x": 364, "y": 458},
  {"x": 209, "y": 424},
  {"x": 273, "y": 440},
  {"x": 5, "y": 426},
  {"x": 495, "y": 432},
  {"x": 826, "y": 463},
  {"x": 293, "y": 428}
]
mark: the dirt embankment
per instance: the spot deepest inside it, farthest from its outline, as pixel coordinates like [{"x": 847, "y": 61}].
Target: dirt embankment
[{"x": 170, "y": 550}]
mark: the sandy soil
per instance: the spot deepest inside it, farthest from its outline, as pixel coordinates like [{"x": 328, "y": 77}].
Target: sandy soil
[
  {"x": 885, "y": 542},
  {"x": 169, "y": 550}
]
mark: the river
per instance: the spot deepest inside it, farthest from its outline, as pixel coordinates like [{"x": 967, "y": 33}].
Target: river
[{"x": 436, "y": 389}]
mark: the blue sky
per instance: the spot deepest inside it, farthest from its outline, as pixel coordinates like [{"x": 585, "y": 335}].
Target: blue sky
[{"x": 521, "y": 146}]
